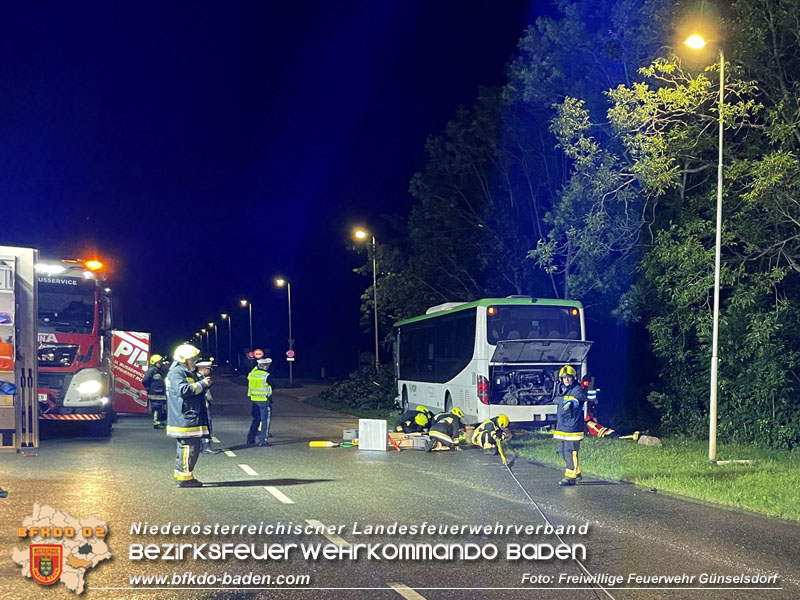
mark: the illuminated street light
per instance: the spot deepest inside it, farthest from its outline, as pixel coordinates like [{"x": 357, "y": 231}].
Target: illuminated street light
[
  {"x": 250, "y": 306},
  {"x": 202, "y": 339},
  {"x": 361, "y": 234},
  {"x": 280, "y": 282},
  {"x": 227, "y": 317},
  {"x": 697, "y": 42}
]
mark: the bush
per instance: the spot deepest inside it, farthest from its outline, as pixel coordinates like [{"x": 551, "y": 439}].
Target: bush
[{"x": 367, "y": 390}]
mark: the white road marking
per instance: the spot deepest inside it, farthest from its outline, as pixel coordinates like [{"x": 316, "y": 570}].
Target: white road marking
[
  {"x": 229, "y": 453},
  {"x": 247, "y": 469},
  {"x": 215, "y": 440},
  {"x": 279, "y": 494},
  {"x": 331, "y": 537},
  {"x": 405, "y": 591}
]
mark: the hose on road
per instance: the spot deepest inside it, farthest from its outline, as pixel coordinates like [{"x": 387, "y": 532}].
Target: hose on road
[{"x": 560, "y": 539}]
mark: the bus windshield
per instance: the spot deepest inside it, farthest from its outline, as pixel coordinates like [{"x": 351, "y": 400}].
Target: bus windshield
[
  {"x": 62, "y": 311},
  {"x": 518, "y": 322}
]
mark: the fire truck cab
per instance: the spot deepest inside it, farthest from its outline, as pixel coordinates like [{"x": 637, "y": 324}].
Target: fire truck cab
[{"x": 74, "y": 318}]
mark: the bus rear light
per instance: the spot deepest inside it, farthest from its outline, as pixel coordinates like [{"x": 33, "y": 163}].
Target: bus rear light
[
  {"x": 491, "y": 310},
  {"x": 574, "y": 312},
  {"x": 483, "y": 389}
]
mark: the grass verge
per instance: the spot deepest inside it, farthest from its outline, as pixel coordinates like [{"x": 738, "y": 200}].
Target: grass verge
[
  {"x": 361, "y": 413},
  {"x": 681, "y": 467}
]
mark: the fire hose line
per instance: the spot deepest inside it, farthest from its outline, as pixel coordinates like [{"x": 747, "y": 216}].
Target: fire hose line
[{"x": 560, "y": 539}]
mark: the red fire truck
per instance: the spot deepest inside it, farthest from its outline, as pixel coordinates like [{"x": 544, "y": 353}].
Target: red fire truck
[{"x": 87, "y": 370}]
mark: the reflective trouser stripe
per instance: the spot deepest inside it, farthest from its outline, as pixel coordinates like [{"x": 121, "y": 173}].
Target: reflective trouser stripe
[
  {"x": 569, "y": 451},
  {"x": 188, "y": 449},
  {"x": 443, "y": 437}
]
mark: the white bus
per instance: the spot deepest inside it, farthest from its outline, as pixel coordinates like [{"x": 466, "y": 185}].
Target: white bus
[{"x": 489, "y": 357}]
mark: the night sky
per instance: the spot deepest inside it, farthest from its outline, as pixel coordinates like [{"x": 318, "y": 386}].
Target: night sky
[{"x": 204, "y": 148}]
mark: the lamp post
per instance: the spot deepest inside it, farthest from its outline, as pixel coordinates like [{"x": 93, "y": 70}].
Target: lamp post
[
  {"x": 227, "y": 317},
  {"x": 360, "y": 234},
  {"x": 250, "y": 307},
  {"x": 280, "y": 282},
  {"x": 216, "y": 337},
  {"x": 202, "y": 340},
  {"x": 696, "y": 42}
]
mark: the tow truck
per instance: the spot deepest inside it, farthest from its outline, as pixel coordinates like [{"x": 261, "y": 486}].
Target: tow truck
[{"x": 84, "y": 365}]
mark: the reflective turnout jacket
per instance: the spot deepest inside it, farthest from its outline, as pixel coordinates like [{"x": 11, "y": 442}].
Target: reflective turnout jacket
[
  {"x": 186, "y": 403},
  {"x": 153, "y": 381},
  {"x": 569, "y": 426},
  {"x": 407, "y": 422},
  {"x": 487, "y": 432}
]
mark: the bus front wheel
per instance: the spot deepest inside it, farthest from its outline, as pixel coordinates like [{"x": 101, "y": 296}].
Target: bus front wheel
[
  {"x": 404, "y": 400},
  {"x": 448, "y": 402}
]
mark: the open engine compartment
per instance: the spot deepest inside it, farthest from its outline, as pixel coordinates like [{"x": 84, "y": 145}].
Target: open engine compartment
[{"x": 522, "y": 386}]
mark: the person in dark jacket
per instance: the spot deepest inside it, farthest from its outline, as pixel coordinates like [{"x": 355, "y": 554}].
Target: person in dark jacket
[
  {"x": 154, "y": 382},
  {"x": 413, "y": 421},
  {"x": 186, "y": 420},
  {"x": 204, "y": 369},
  {"x": 569, "y": 427},
  {"x": 444, "y": 431}
]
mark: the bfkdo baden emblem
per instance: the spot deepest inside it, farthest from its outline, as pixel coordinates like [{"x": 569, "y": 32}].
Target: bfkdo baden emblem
[{"x": 46, "y": 562}]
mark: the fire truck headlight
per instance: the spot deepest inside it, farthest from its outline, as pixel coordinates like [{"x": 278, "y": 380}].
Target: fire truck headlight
[
  {"x": 104, "y": 400},
  {"x": 90, "y": 387}
]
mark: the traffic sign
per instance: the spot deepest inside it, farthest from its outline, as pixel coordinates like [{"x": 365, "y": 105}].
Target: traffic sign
[
  {"x": 249, "y": 355},
  {"x": 258, "y": 353},
  {"x": 290, "y": 353},
  {"x": 290, "y": 358}
]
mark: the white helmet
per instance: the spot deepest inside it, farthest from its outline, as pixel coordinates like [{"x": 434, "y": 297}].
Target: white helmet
[{"x": 185, "y": 352}]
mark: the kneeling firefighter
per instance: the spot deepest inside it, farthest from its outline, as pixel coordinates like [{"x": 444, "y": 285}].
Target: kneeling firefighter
[
  {"x": 445, "y": 430},
  {"x": 490, "y": 433},
  {"x": 414, "y": 421}
]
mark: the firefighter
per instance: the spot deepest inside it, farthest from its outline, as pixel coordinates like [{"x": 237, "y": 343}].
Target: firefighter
[
  {"x": 488, "y": 434},
  {"x": 260, "y": 393},
  {"x": 444, "y": 431},
  {"x": 426, "y": 411},
  {"x": 413, "y": 421},
  {"x": 186, "y": 397},
  {"x": 569, "y": 426},
  {"x": 153, "y": 382},
  {"x": 204, "y": 368}
]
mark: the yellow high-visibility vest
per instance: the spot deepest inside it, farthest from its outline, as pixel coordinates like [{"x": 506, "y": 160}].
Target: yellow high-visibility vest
[{"x": 258, "y": 388}]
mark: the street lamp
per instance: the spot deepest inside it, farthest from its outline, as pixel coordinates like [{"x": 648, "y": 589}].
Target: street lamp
[
  {"x": 696, "y": 42},
  {"x": 280, "y": 282},
  {"x": 203, "y": 340},
  {"x": 360, "y": 234},
  {"x": 216, "y": 337},
  {"x": 250, "y": 306},
  {"x": 227, "y": 317}
]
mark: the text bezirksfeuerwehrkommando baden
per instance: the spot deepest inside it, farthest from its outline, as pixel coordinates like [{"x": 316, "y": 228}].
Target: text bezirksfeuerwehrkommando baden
[
  {"x": 432, "y": 548},
  {"x": 355, "y": 529}
]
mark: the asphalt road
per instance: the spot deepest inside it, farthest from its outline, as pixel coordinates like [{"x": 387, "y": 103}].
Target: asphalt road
[{"x": 128, "y": 480}]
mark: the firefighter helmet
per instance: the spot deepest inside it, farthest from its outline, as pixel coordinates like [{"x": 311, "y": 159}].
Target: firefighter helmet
[
  {"x": 186, "y": 352},
  {"x": 155, "y": 358},
  {"x": 458, "y": 412},
  {"x": 421, "y": 419},
  {"x": 502, "y": 421},
  {"x": 567, "y": 370},
  {"x": 422, "y": 409}
]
